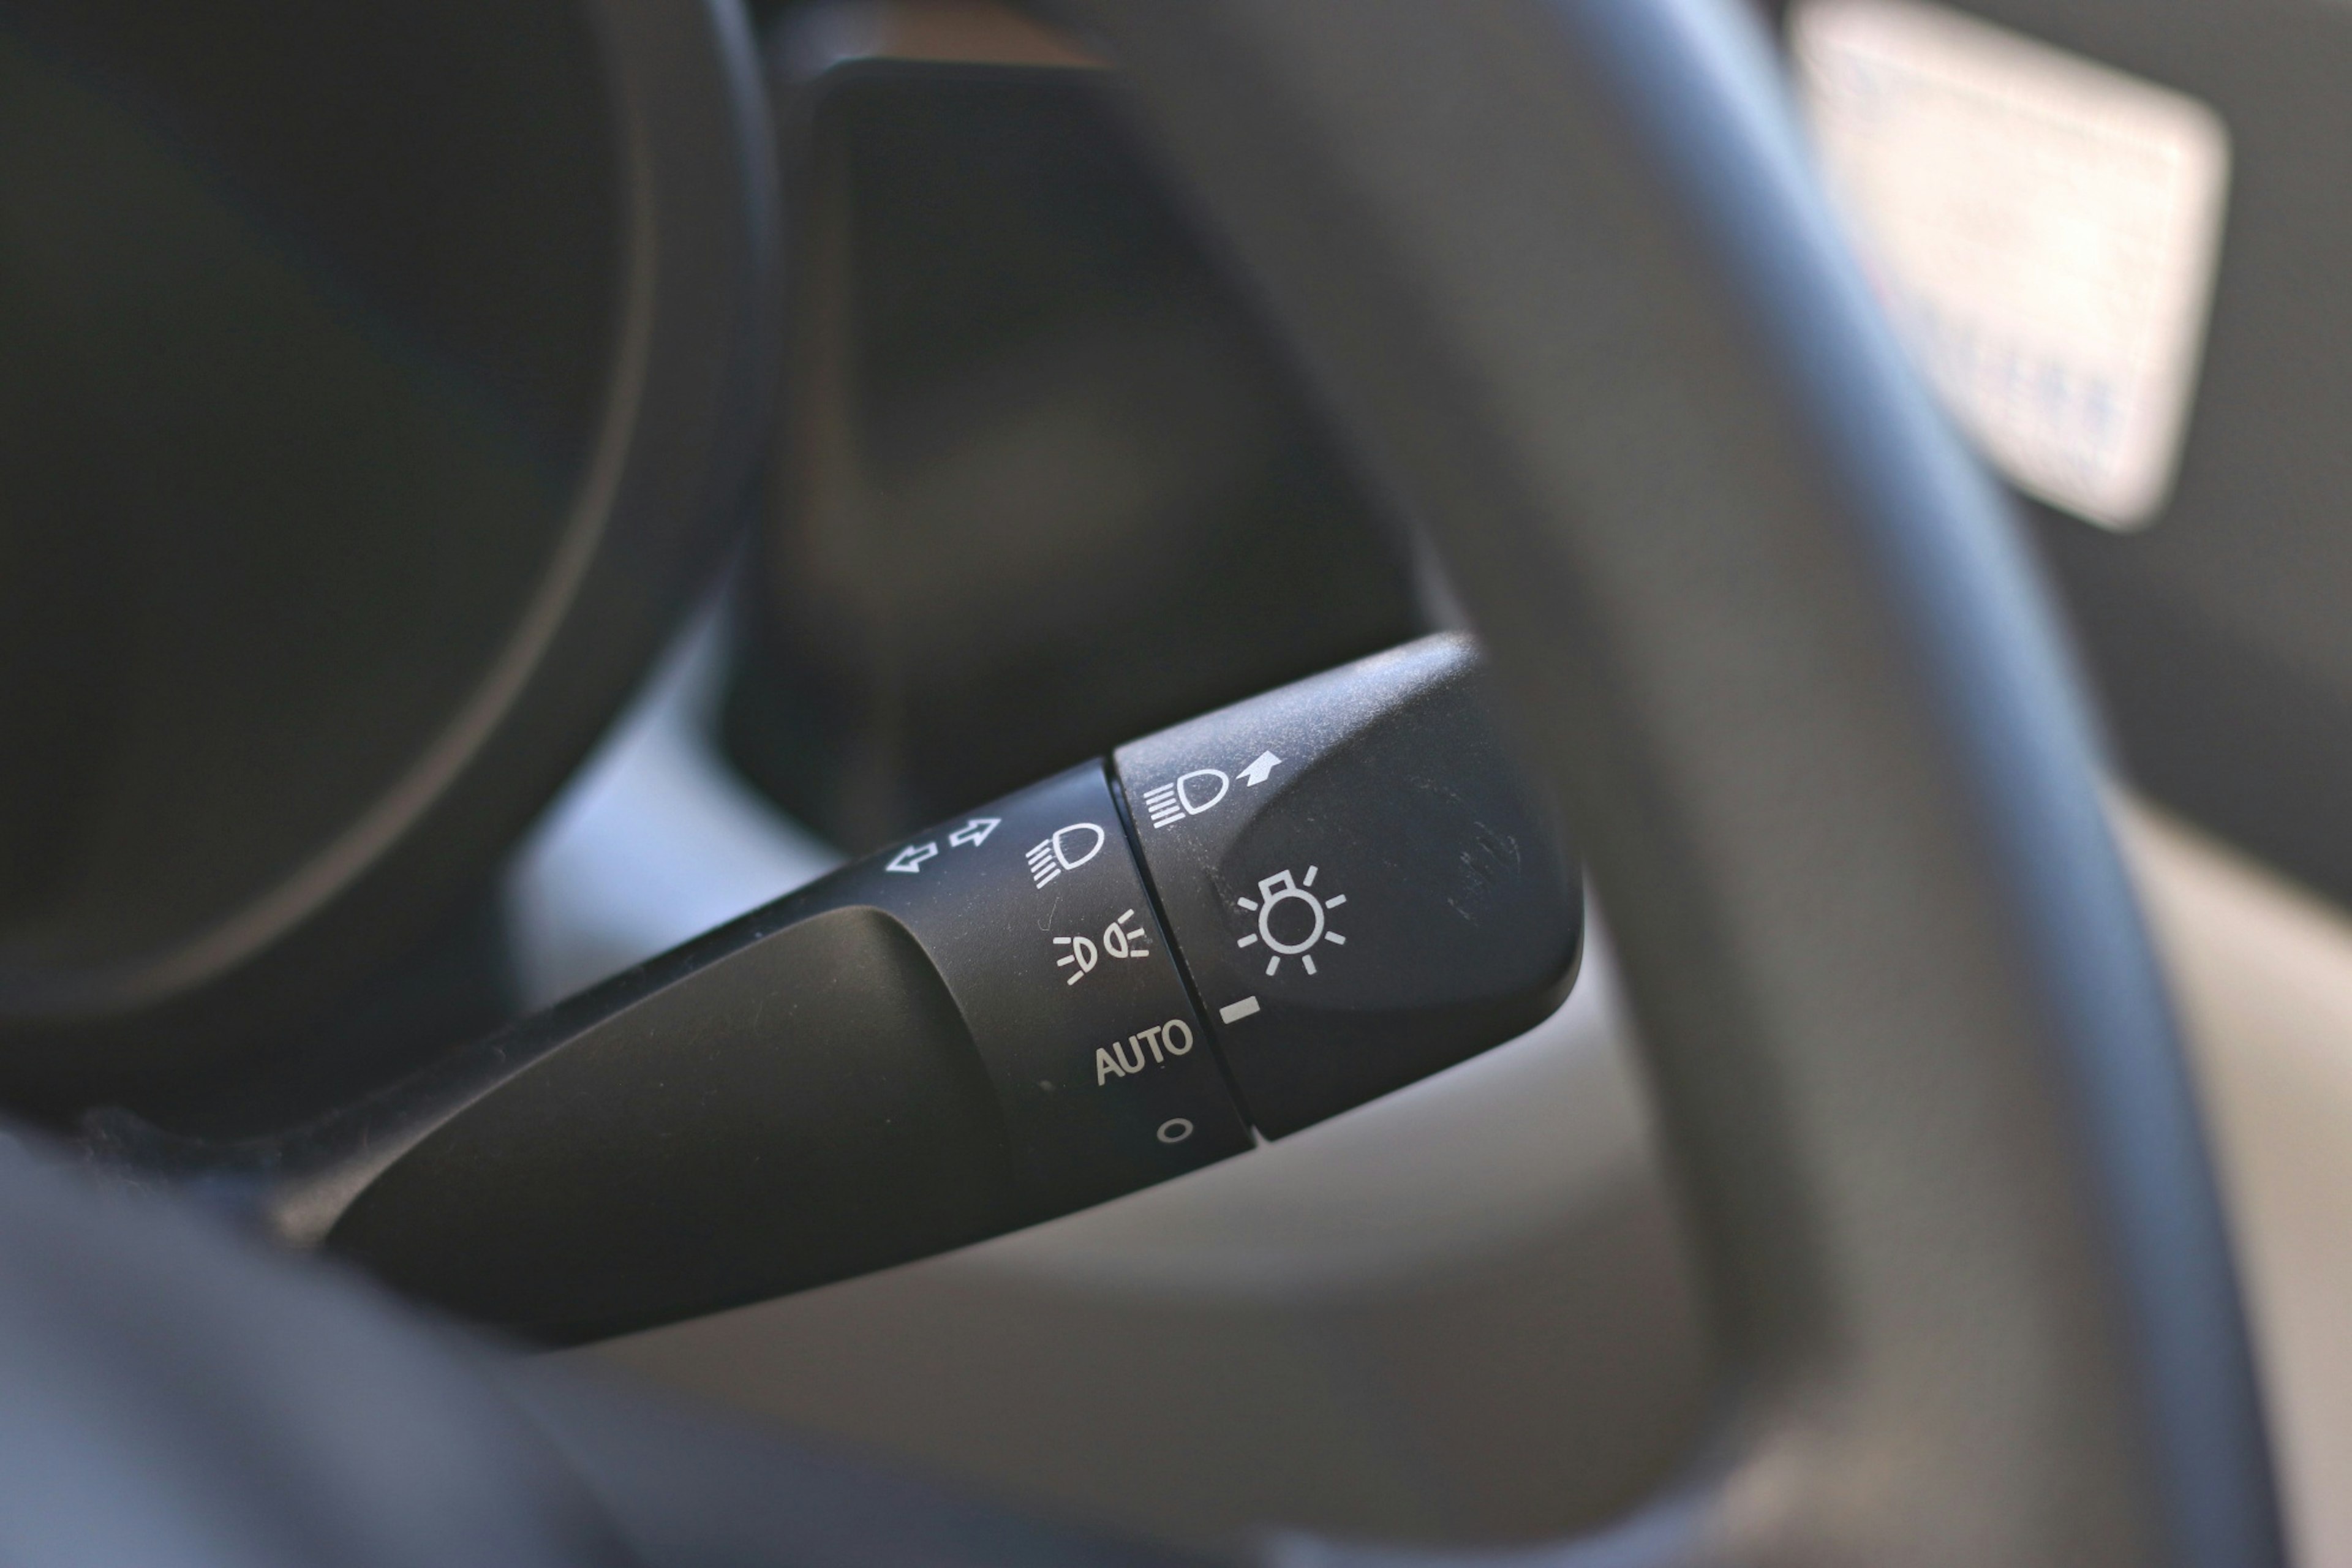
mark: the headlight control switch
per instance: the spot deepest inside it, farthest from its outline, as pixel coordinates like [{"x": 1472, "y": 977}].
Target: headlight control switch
[
  {"x": 1257, "y": 919},
  {"x": 1361, "y": 888},
  {"x": 1034, "y": 912}
]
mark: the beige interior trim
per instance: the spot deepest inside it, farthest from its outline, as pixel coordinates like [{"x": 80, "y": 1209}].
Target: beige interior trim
[{"x": 2261, "y": 971}]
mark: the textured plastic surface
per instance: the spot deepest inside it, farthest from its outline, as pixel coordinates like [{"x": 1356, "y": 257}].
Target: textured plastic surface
[
  {"x": 896, "y": 1060},
  {"x": 804, "y": 1107},
  {"x": 1035, "y": 913},
  {"x": 1362, "y": 890},
  {"x": 982, "y": 1025}
]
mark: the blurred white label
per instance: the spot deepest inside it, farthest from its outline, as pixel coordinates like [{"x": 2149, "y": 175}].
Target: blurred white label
[{"x": 2043, "y": 229}]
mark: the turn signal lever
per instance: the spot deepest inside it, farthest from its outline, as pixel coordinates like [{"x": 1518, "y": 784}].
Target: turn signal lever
[{"x": 1257, "y": 919}]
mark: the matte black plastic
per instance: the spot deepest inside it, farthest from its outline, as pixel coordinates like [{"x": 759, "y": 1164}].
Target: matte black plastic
[
  {"x": 806, "y": 1107},
  {"x": 955, "y": 1036},
  {"x": 1363, "y": 888},
  {"x": 977, "y": 1027},
  {"x": 1034, "y": 911},
  {"x": 951, "y": 1039}
]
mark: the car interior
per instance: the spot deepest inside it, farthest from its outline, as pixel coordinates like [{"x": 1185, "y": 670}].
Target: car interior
[{"x": 850, "y": 781}]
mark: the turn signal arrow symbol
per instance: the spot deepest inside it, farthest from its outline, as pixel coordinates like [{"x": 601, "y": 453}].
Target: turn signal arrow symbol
[{"x": 1255, "y": 774}]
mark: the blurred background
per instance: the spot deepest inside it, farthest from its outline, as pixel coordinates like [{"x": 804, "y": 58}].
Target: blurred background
[
  {"x": 1018, "y": 376},
  {"x": 304, "y": 623}
]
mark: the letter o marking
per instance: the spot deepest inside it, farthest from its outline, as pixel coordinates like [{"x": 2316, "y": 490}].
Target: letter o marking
[
  {"x": 1169, "y": 1031},
  {"x": 1175, "y": 1131}
]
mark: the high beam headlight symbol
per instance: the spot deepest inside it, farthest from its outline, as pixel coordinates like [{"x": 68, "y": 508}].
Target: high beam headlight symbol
[{"x": 1302, "y": 926}]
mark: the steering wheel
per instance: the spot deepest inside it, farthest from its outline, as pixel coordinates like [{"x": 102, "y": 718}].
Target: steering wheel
[{"x": 1559, "y": 269}]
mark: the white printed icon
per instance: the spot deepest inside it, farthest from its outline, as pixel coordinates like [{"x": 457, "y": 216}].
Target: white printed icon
[
  {"x": 1144, "y": 1049},
  {"x": 910, "y": 860},
  {"x": 1279, "y": 890},
  {"x": 1188, "y": 795},
  {"x": 970, "y": 835},
  {"x": 1082, "y": 953},
  {"x": 1049, "y": 857},
  {"x": 1263, "y": 765},
  {"x": 1118, "y": 942}
]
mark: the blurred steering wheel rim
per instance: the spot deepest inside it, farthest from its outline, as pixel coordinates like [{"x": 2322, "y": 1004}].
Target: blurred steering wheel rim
[
  {"x": 686, "y": 380},
  {"x": 1559, "y": 268}
]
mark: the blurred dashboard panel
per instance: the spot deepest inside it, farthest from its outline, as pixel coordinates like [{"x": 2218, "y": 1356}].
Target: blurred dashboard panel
[
  {"x": 2111, "y": 200},
  {"x": 1044, "y": 481}
]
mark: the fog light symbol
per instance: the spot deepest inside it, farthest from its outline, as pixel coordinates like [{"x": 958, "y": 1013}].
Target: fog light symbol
[{"x": 1293, "y": 932}]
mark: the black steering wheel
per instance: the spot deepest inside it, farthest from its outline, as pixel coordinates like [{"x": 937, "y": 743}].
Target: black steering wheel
[{"x": 1559, "y": 269}]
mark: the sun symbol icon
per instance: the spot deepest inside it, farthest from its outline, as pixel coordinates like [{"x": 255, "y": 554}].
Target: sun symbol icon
[{"x": 1291, "y": 920}]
